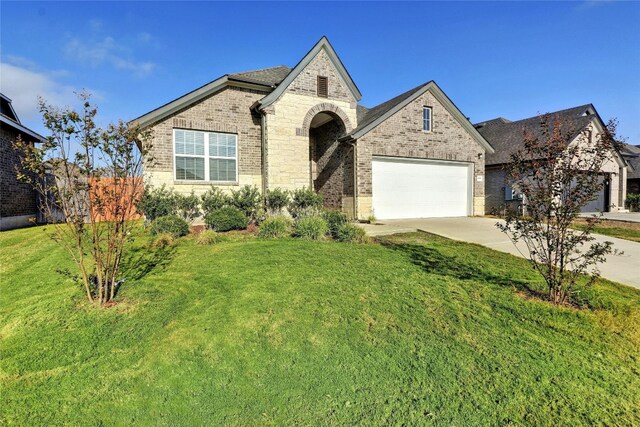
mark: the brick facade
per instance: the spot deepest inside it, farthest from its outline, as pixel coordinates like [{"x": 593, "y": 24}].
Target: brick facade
[
  {"x": 401, "y": 135},
  {"x": 332, "y": 165},
  {"x": 495, "y": 181},
  {"x": 17, "y": 199},
  {"x": 228, "y": 110}
]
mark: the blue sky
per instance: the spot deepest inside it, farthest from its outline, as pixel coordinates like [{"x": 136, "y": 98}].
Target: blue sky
[{"x": 509, "y": 59}]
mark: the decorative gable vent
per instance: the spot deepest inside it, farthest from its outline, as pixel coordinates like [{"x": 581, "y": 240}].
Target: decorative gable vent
[{"x": 323, "y": 86}]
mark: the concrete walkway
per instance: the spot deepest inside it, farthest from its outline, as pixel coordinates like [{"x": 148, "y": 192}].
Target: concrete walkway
[{"x": 623, "y": 268}]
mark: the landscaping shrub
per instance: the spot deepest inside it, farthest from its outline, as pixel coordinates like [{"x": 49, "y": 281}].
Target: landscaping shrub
[
  {"x": 213, "y": 199},
  {"x": 171, "y": 224},
  {"x": 334, "y": 220},
  {"x": 163, "y": 240},
  {"x": 225, "y": 219},
  {"x": 351, "y": 233},
  {"x": 187, "y": 206},
  {"x": 209, "y": 237},
  {"x": 311, "y": 227},
  {"x": 248, "y": 200},
  {"x": 275, "y": 227},
  {"x": 633, "y": 202},
  {"x": 371, "y": 219},
  {"x": 277, "y": 200},
  {"x": 305, "y": 202},
  {"x": 156, "y": 203}
]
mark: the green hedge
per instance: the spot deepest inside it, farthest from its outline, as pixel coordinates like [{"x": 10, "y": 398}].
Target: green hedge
[
  {"x": 225, "y": 219},
  {"x": 171, "y": 224}
]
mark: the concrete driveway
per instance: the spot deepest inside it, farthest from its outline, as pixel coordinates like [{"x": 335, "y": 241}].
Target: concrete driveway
[
  {"x": 623, "y": 269},
  {"x": 618, "y": 216}
]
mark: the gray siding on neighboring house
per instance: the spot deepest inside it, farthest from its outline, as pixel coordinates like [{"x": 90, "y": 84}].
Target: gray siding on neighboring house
[
  {"x": 17, "y": 199},
  {"x": 401, "y": 135}
]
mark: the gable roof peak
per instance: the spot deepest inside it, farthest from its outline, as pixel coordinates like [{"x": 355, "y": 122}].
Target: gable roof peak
[
  {"x": 322, "y": 44},
  {"x": 372, "y": 117}
]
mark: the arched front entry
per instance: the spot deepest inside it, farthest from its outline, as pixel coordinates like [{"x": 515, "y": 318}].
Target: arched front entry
[{"x": 331, "y": 169}]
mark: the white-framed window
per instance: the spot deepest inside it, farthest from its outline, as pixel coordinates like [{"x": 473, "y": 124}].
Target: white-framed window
[
  {"x": 427, "y": 118},
  {"x": 205, "y": 156}
]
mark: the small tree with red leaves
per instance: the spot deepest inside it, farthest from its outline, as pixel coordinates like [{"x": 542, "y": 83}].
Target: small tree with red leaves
[
  {"x": 89, "y": 180},
  {"x": 557, "y": 171}
]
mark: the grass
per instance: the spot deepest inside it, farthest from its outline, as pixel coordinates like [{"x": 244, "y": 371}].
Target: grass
[
  {"x": 620, "y": 229},
  {"x": 419, "y": 330}
]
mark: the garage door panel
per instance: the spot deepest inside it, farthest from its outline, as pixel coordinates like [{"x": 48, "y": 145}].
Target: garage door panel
[{"x": 405, "y": 188}]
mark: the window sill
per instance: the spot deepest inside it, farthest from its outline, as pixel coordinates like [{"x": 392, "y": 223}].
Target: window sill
[{"x": 221, "y": 183}]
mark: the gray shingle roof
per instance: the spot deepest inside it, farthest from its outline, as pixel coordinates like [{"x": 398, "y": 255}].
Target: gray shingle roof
[
  {"x": 266, "y": 76},
  {"x": 631, "y": 154},
  {"x": 506, "y": 137},
  {"x": 361, "y": 111}
]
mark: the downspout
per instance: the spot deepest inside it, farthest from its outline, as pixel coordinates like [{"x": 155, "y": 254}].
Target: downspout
[
  {"x": 263, "y": 147},
  {"x": 354, "y": 146}
]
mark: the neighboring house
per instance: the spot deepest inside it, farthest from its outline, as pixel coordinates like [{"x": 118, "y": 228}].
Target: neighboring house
[
  {"x": 415, "y": 155},
  {"x": 18, "y": 200},
  {"x": 631, "y": 154},
  {"x": 506, "y": 137}
]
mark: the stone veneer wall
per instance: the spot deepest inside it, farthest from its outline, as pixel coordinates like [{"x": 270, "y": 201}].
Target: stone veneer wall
[
  {"x": 287, "y": 140},
  {"x": 227, "y": 110},
  {"x": 402, "y": 136},
  {"x": 17, "y": 199}
]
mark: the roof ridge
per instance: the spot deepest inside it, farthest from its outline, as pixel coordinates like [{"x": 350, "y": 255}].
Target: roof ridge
[
  {"x": 552, "y": 113},
  {"x": 399, "y": 97},
  {"x": 260, "y": 69}
]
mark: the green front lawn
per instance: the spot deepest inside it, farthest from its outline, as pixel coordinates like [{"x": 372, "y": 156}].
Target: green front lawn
[
  {"x": 420, "y": 330},
  {"x": 619, "y": 229}
]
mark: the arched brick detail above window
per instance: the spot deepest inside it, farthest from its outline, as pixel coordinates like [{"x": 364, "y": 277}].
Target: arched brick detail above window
[{"x": 324, "y": 107}]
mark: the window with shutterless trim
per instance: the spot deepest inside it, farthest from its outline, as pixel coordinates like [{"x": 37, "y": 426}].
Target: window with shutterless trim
[
  {"x": 427, "y": 118},
  {"x": 205, "y": 156}
]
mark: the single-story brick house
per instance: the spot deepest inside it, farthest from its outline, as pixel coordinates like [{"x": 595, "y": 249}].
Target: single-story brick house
[
  {"x": 415, "y": 155},
  {"x": 506, "y": 137},
  {"x": 18, "y": 200}
]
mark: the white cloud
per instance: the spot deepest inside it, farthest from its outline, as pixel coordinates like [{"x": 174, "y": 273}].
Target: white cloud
[
  {"x": 96, "y": 24},
  {"x": 24, "y": 84},
  {"x": 107, "y": 52}
]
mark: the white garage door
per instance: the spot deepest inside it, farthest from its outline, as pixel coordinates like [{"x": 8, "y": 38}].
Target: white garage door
[{"x": 410, "y": 188}]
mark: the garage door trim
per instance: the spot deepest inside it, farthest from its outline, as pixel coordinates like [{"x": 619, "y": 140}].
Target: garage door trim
[{"x": 469, "y": 165}]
